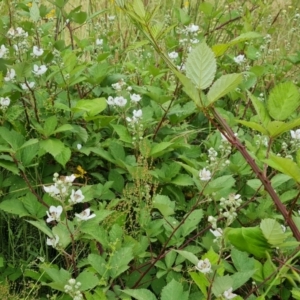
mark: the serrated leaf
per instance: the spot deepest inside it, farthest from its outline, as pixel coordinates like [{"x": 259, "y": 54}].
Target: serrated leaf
[
  {"x": 164, "y": 205},
  {"x": 64, "y": 156},
  {"x": 221, "y": 284},
  {"x": 220, "y": 49},
  {"x": 242, "y": 261},
  {"x": 183, "y": 180},
  {"x": 272, "y": 231},
  {"x": 245, "y": 37},
  {"x": 260, "y": 108},
  {"x": 159, "y": 148},
  {"x": 14, "y": 206},
  {"x": 254, "y": 126},
  {"x": 122, "y": 132},
  {"x": 41, "y": 225},
  {"x": 189, "y": 256},
  {"x": 139, "y": 8},
  {"x": 140, "y": 294},
  {"x": 249, "y": 239},
  {"x": 173, "y": 291},
  {"x": 87, "y": 279},
  {"x": 52, "y": 146},
  {"x": 34, "y": 12},
  {"x": 223, "y": 86},
  {"x": 283, "y": 100},
  {"x": 201, "y": 66},
  {"x": 284, "y": 165},
  {"x": 202, "y": 282},
  {"x": 119, "y": 261},
  {"x": 89, "y": 107},
  {"x": 98, "y": 263},
  {"x": 191, "y": 222},
  {"x": 276, "y": 128}
]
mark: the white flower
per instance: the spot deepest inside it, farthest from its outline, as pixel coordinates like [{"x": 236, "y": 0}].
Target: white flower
[
  {"x": 25, "y": 86},
  {"x": 295, "y": 134},
  {"x": 181, "y": 67},
  {"x": 39, "y": 70},
  {"x": 69, "y": 179},
  {"x": 37, "y": 51},
  {"x": 228, "y": 294},
  {"x": 3, "y": 51},
  {"x": 135, "y": 98},
  {"x": 99, "y": 42},
  {"x": 239, "y": 59},
  {"x": 79, "y": 146},
  {"x": 76, "y": 197},
  {"x": 52, "y": 189},
  {"x": 20, "y": 32},
  {"x": 217, "y": 233},
  {"x": 85, "y": 215},
  {"x": 194, "y": 41},
  {"x": 53, "y": 242},
  {"x": 173, "y": 55},
  {"x": 137, "y": 114},
  {"x": 111, "y": 18},
  {"x": 204, "y": 266},
  {"x": 110, "y": 101},
  {"x": 118, "y": 85},
  {"x": 10, "y": 75},
  {"x": 120, "y": 101},
  {"x": 54, "y": 213},
  {"x": 192, "y": 28},
  {"x": 205, "y": 175},
  {"x": 11, "y": 32},
  {"x": 4, "y": 102}
]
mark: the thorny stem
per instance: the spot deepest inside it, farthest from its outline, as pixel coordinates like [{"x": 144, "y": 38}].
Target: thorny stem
[{"x": 262, "y": 177}]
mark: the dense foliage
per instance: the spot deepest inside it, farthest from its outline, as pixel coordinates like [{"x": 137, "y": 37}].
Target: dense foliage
[{"x": 149, "y": 151}]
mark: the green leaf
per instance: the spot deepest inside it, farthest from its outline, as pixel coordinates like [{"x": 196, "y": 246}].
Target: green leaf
[
  {"x": 50, "y": 125},
  {"x": 122, "y": 132},
  {"x": 139, "y": 8},
  {"x": 283, "y": 100},
  {"x": 249, "y": 239},
  {"x": 64, "y": 156},
  {"x": 52, "y": 146},
  {"x": 13, "y": 138},
  {"x": 221, "y": 284},
  {"x": 255, "y": 126},
  {"x": 173, "y": 291},
  {"x": 242, "y": 261},
  {"x": 192, "y": 222},
  {"x": 189, "y": 256},
  {"x": 89, "y": 107},
  {"x": 10, "y": 166},
  {"x": 41, "y": 225},
  {"x": 245, "y": 37},
  {"x": 164, "y": 205},
  {"x": 157, "y": 149},
  {"x": 182, "y": 180},
  {"x": 79, "y": 17},
  {"x": 88, "y": 280},
  {"x": 202, "y": 282},
  {"x": 223, "y": 86},
  {"x": 28, "y": 143},
  {"x": 98, "y": 263},
  {"x": 276, "y": 128},
  {"x": 272, "y": 231},
  {"x": 201, "y": 66},
  {"x": 63, "y": 233},
  {"x": 14, "y": 206},
  {"x": 260, "y": 109},
  {"x": 33, "y": 206},
  {"x": 284, "y": 165},
  {"x": 34, "y": 12},
  {"x": 140, "y": 294},
  {"x": 240, "y": 278},
  {"x": 65, "y": 127},
  {"x": 220, "y": 49},
  {"x": 119, "y": 261}
]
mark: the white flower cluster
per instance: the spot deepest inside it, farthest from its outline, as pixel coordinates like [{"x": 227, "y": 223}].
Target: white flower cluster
[
  {"x": 4, "y": 103},
  {"x": 17, "y": 33},
  {"x": 39, "y": 70},
  {"x": 119, "y": 101},
  {"x": 3, "y": 51},
  {"x": 295, "y": 134},
  {"x": 229, "y": 207},
  {"x": 10, "y": 75},
  {"x": 119, "y": 85},
  {"x": 136, "y": 116},
  {"x": 72, "y": 288}
]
